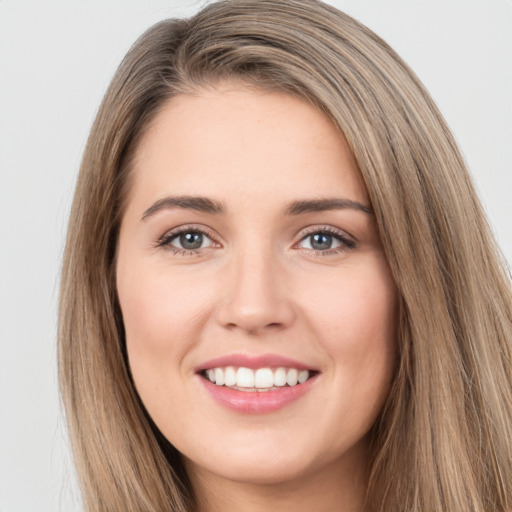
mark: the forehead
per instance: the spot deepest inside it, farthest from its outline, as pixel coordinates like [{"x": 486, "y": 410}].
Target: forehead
[{"x": 234, "y": 140}]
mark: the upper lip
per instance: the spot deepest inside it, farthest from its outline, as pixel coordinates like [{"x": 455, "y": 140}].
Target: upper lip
[{"x": 253, "y": 361}]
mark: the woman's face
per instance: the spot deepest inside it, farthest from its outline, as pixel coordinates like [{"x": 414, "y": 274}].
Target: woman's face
[{"x": 248, "y": 255}]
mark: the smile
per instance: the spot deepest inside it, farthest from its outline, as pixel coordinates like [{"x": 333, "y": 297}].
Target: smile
[
  {"x": 260, "y": 379},
  {"x": 256, "y": 384}
]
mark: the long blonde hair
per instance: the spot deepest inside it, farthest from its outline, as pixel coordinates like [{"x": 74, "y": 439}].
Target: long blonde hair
[{"x": 444, "y": 439}]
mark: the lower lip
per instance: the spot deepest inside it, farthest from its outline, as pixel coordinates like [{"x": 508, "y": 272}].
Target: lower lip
[{"x": 257, "y": 402}]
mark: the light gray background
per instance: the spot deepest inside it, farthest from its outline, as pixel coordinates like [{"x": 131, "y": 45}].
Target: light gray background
[{"x": 56, "y": 59}]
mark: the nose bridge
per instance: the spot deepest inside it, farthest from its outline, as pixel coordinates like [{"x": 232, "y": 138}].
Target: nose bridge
[{"x": 255, "y": 294}]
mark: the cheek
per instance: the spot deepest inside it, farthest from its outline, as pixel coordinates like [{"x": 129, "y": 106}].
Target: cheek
[
  {"x": 355, "y": 320},
  {"x": 162, "y": 315},
  {"x": 355, "y": 323}
]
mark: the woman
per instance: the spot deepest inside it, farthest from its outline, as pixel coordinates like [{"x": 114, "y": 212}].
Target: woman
[{"x": 279, "y": 287}]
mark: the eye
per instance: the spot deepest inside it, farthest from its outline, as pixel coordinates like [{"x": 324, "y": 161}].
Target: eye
[
  {"x": 326, "y": 241},
  {"x": 190, "y": 240},
  {"x": 185, "y": 240}
]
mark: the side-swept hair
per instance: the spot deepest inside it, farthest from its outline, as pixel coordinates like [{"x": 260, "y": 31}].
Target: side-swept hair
[{"x": 444, "y": 439}]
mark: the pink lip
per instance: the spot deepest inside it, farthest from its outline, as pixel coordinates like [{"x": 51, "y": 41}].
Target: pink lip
[
  {"x": 256, "y": 402},
  {"x": 254, "y": 362}
]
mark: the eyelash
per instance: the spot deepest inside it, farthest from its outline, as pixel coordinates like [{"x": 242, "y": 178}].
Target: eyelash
[
  {"x": 169, "y": 236},
  {"x": 165, "y": 241},
  {"x": 346, "y": 242}
]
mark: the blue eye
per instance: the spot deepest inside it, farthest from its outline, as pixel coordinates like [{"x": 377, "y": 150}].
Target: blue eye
[
  {"x": 187, "y": 240},
  {"x": 190, "y": 240},
  {"x": 324, "y": 241},
  {"x": 321, "y": 241}
]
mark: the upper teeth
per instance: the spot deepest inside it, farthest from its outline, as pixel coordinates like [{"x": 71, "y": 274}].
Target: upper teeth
[{"x": 260, "y": 378}]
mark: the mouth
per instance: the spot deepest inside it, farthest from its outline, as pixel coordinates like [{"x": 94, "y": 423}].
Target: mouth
[
  {"x": 262, "y": 379},
  {"x": 256, "y": 384}
]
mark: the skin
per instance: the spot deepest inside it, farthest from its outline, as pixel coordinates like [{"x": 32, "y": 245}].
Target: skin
[{"x": 257, "y": 286}]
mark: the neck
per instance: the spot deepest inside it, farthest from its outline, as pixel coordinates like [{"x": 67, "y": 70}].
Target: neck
[{"x": 339, "y": 486}]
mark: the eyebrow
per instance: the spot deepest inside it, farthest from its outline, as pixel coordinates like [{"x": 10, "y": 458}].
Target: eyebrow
[
  {"x": 321, "y": 205},
  {"x": 206, "y": 205},
  {"x": 201, "y": 204}
]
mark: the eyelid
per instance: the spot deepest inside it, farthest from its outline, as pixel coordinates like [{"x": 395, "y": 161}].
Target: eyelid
[
  {"x": 347, "y": 241},
  {"x": 326, "y": 228},
  {"x": 171, "y": 234}
]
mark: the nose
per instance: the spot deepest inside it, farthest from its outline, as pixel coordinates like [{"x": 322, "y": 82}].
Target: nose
[{"x": 255, "y": 297}]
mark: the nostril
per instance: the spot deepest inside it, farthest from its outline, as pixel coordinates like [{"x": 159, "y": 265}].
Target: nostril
[{"x": 253, "y": 300}]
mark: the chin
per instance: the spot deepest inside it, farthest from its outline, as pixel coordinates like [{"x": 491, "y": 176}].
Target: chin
[
  {"x": 253, "y": 471},
  {"x": 274, "y": 461}
]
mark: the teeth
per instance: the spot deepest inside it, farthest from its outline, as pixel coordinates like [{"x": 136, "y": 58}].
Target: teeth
[
  {"x": 262, "y": 378},
  {"x": 291, "y": 377},
  {"x": 245, "y": 378},
  {"x": 280, "y": 377},
  {"x": 219, "y": 376},
  {"x": 303, "y": 376},
  {"x": 229, "y": 376}
]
